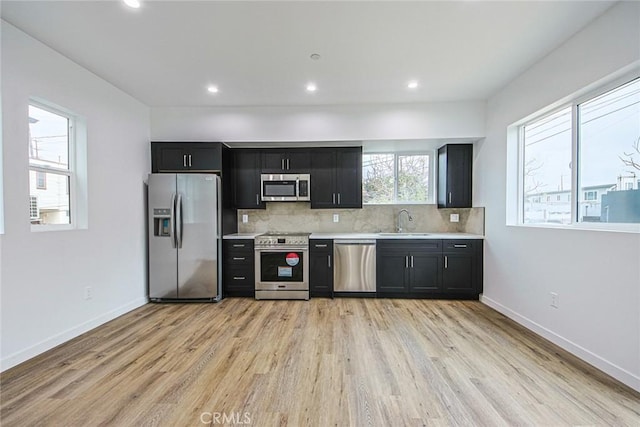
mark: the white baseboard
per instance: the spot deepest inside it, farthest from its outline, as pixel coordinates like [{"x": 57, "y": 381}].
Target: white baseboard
[
  {"x": 39, "y": 348},
  {"x": 593, "y": 359}
]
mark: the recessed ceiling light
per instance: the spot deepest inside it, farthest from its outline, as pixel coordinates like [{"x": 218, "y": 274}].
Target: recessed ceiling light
[
  {"x": 412, "y": 84},
  {"x": 213, "y": 89},
  {"x": 132, "y": 3},
  {"x": 311, "y": 87}
]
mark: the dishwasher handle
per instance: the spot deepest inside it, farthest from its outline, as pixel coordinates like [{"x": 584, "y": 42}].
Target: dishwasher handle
[{"x": 355, "y": 242}]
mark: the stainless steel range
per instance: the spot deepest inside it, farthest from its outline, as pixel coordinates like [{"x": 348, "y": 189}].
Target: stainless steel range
[{"x": 282, "y": 266}]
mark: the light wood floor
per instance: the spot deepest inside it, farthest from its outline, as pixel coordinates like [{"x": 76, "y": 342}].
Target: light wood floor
[{"x": 343, "y": 362}]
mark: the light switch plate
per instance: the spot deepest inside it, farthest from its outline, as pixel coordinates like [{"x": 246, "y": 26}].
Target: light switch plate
[
  {"x": 245, "y": 218},
  {"x": 454, "y": 217},
  {"x": 336, "y": 218}
]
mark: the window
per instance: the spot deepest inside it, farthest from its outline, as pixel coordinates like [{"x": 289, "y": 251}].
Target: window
[
  {"x": 546, "y": 145},
  {"x": 609, "y": 151},
  {"x": 41, "y": 180},
  {"x": 390, "y": 178},
  {"x": 52, "y": 175},
  {"x": 594, "y": 142}
]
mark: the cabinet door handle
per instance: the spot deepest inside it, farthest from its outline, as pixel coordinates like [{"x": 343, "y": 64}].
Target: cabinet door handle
[
  {"x": 411, "y": 261},
  {"x": 184, "y": 160},
  {"x": 339, "y": 199},
  {"x": 288, "y": 164},
  {"x": 257, "y": 199},
  {"x": 320, "y": 246},
  {"x": 239, "y": 278},
  {"x": 459, "y": 246},
  {"x": 446, "y": 261},
  {"x": 333, "y": 198},
  {"x": 406, "y": 262},
  {"x": 282, "y": 164},
  {"x": 237, "y": 258},
  {"x": 449, "y": 197},
  {"x": 329, "y": 261},
  {"x": 189, "y": 160},
  {"x": 239, "y": 245}
]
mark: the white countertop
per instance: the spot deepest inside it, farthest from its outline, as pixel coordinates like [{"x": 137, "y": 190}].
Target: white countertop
[
  {"x": 377, "y": 236},
  {"x": 242, "y": 235},
  {"x": 395, "y": 236}
]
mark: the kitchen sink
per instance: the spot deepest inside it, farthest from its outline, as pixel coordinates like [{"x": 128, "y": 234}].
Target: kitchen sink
[{"x": 403, "y": 234}]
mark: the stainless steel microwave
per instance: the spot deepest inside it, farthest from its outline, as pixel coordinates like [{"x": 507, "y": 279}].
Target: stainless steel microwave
[{"x": 285, "y": 187}]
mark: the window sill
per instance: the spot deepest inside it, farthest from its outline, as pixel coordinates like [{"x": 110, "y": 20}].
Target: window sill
[
  {"x": 60, "y": 227},
  {"x": 612, "y": 228}
]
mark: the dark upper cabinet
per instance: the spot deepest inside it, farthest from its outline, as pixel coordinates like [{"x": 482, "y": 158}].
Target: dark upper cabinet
[
  {"x": 294, "y": 160},
  {"x": 321, "y": 268},
  {"x": 455, "y": 163},
  {"x": 186, "y": 157},
  {"x": 336, "y": 178},
  {"x": 246, "y": 179}
]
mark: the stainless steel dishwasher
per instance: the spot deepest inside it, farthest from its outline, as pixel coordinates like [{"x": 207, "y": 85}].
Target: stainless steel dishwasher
[{"x": 354, "y": 266}]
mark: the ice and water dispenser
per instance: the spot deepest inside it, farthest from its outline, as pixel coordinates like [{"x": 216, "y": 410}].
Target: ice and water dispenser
[{"x": 162, "y": 222}]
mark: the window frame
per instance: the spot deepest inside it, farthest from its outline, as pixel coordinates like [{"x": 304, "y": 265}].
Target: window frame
[
  {"x": 431, "y": 195},
  {"x": 71, "y": 173},
  {"x": 515, "y": 134}
]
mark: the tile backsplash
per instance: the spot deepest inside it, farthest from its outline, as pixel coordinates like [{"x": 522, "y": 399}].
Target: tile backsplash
[{"x": 294, "y": 217}]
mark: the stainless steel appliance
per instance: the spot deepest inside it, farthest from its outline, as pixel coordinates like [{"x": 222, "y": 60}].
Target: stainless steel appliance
[
  {"x": 285, "y": 187},
  {"x": 354, "y": 266},
  {"x": 282, "y": 266},
  {"x": 184, "y": 237}
]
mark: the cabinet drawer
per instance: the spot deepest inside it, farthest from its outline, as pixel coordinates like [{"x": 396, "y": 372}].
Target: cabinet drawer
[
  {"x": 459, "y": 245},
  {"x": 430, "y": 245},
  {"x": 321, "y": 245},
  {"x": 246, "y": 259},
  {"x": 237, "y": 247},
  {"x": 239, "y": 277}
]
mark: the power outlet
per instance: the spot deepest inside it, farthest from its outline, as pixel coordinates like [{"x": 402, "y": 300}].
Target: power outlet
[
  {"x": 336, "y": 217},
  {"x": 88, "y": 293},
  {"x": 245, "y": 218},
  {"x": 555, "y": 300},
  {"x": 454, "y": 217}
]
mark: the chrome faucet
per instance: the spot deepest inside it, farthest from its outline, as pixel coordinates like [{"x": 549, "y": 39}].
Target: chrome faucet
[{"x": 409, "y": 217}]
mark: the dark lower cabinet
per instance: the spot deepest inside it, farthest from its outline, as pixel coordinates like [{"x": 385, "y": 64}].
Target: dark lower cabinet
[
  {"x": 462, "y": 266},
  {"x": 321, "y": 268},
  {"x": 407, "y": 268},
  {"x": 429, "y": 268},
  {"x": 238, "y": 270}
]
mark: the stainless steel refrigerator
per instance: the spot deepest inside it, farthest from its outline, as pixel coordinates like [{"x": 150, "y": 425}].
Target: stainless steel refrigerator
[{"x": 184, "y": 237}]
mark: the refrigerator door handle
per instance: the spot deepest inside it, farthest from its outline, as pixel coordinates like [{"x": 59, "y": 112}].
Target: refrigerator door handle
[
  {"x": 179, "y": 220},
  {"x": 172, "y": 221}
]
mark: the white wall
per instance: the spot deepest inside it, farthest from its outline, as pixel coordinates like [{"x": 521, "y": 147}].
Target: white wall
[
  {"x": 43, "y": 274},
  {"x": 595, "y": 273},
  {"x": 320, "y": 123}
]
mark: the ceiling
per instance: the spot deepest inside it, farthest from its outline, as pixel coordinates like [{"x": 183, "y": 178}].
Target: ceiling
[{"x": 167, "y": 53}]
